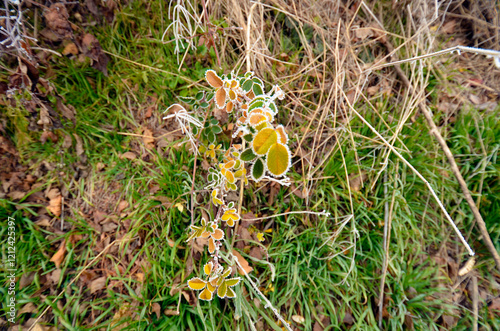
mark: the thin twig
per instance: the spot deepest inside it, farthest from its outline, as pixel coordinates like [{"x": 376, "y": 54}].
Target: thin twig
[{"x": 475, "y": 302}]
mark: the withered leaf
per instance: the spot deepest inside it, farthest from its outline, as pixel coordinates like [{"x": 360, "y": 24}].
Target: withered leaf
[
  {"x": 156, "y": 309},
  {"x": 128, "y": 156},
  {"x": 58, "y": 257},
  {"x": 97, "y": 284},
  {"x": 91, "y": 48},
  {"x": 246, "y": 267},
  {"x": 57, "y": 21},
  {"x": 55, "y": 201}
]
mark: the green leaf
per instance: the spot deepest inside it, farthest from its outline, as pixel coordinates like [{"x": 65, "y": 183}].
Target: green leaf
[
  {"x": 216, "y": 129},
  {"x": 247, "y": 85},
  {"x": 204, "y": 105},
  {"x": 257, "y": 89},
  {"x": 248, "y": 155},
  {"x": 278, "y": 159},
  {"x": 214, "y": 121},
  {"x": 211, "y": 137},
  {"x": 199, "y": 96},
  {"x": 258, "y": 170},
  {"x": 248, "y": 137}
]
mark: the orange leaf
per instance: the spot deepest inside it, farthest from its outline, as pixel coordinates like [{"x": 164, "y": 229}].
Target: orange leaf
[
  {"x": 58, "y": 257},
  {"x": 246, "y": 267},
  {"x": 213, "y": 79}
]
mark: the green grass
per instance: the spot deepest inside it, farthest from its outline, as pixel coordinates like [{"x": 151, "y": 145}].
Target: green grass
[{"x": 315, "y": 271}]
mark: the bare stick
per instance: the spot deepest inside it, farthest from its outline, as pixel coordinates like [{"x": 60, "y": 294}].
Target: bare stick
[{"x": 475, "y": 302}]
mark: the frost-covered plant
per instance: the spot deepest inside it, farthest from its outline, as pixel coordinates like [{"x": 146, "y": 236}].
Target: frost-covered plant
[
  {"x": 266, "y": 156},
  {"x": 11, "y": 27}
]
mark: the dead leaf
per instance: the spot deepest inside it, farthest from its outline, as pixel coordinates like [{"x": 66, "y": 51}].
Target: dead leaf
[
  {"x": 55, "y": 202},
  {"x": 58, "y": 257},
  {"x": 97, "y": 284},
  {"x": 244, "y": 264},
  {"x": 68, "y": 142},
  {"x": 55, "y": 276},
  {"x": 356, "y": 180},
  {"x": 70, "y": 49},
  {"x": 121, "y": 206},
  {"x": 87, "y": 276},
  {"x": 298, "y": 319},
  {"x": 48, "y": 135},
  {"x": 171, "y": 312},
  {"x": 79, "y": 145},
  {"x": 494, "y": 305},
  {"x": 57, "y": 21},
  {"x": 128, "y": 156},
  {"x": 147, "y": 139},
  {"x": 449, "y": 27},
  {"x": 156, "y": 309},
  {"x": 66, "y": 111},
  {"x": 363, "y": 33},
  {"x": 16, "y": 195},
  {"x": 28, "y": 308},
  {"x": 474, "y": 99},
  {"x": 91, "y": 48}
]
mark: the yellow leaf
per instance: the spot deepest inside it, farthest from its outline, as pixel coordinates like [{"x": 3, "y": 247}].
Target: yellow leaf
[
  {"x": 205, "y": 295},
  {"x": 278, "y": 159},
  {"x": 211, "y": 245},
  {"x": 208, "y": 268},
  {"x": 196, "y": 283},
  {"x": 179, "y": 206},
  {"x": 260, "y": 236},
  {"x": 230, "y": 293},
  {"x": 263, "y": 141}
]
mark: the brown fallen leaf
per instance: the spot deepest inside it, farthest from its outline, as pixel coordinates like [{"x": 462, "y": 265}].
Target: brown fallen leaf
[
  {"x": 91, "y": 48},
  {"x": 67, "y": 111},
  {"x": 171, "y": 312},
  {"x": 28, "y": 308},
  {"x": 70, "y": 48},
  {"x": 55, "y": 276},
  {"x": 147, "y": 139},
  {"x": 356, "y": 180},
  {"x": 97, "y": 284},
  {"x": 57, "y": 21},
  {"x": 128, "y": 156},
  {"x": 121, "y": 206},
  {"x": 244, "y": 264},
  {"x": 58, "y": 257},
  {"x": 494, "y": 306},
  {"x": 156, "y": 308},
  {"x": 55, "y": 202}
]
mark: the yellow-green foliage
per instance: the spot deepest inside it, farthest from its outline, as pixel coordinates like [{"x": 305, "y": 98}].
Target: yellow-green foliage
[{"x": 266, "y": 156}]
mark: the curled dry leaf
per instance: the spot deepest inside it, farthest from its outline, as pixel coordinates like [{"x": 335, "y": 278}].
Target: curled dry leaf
[
  {"x": 58, "y": 257},
  {"x": 147, "y": 139},
  {"x": 55, "y": 202}
]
